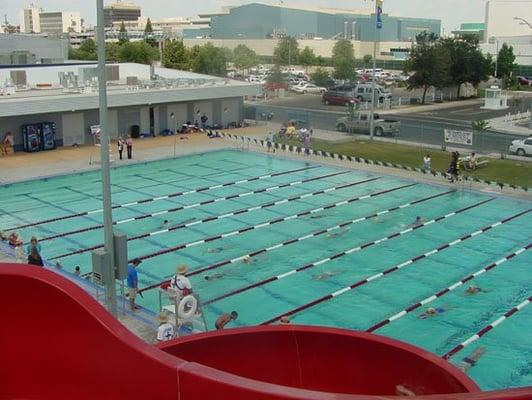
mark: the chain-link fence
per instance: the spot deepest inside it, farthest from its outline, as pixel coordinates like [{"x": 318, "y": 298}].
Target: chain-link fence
[{"x": 418, "y": 132}]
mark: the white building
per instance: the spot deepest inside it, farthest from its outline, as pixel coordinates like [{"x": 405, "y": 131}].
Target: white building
[
  {"x": 166, "y": 25},
  {"x": 60, "y": 22},
  {"x": 500, "y": 18},
  {"x": 522, "y": 46},
  {"x": 35, "y": 20},
  {"x": 30, "y": 20}
]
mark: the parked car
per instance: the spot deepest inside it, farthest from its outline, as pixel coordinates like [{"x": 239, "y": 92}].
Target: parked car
[
  {"x": 309, "y": 88},
  {"x": 337, "y": 97},
  {"x": 363, "y": 92},
  {"x": 525, "y": 80},
  {"x": 521, "y": 147},
  {"x": 360, "y": 122}
]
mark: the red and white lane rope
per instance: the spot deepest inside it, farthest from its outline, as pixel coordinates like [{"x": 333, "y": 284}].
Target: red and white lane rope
[
  {"x": 486, "y": 329},
  {"x": 395, "y": 268},
  {"x": 169, "y": 196},
  {"x": 227, "y": 215},
  {"x": 305, "y": 237},
  {"x": 342, "y": 254},
  {"x": 195, "y": 205},
  {"x": 448, "y": 289}
]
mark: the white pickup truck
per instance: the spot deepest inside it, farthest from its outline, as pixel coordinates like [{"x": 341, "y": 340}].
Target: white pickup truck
[{"x": 359, "y": 122}]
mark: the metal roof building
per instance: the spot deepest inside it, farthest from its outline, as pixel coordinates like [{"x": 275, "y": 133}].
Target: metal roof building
[
  {"x": 260, "y": 21},
  {"x": 151, "y": 99}
]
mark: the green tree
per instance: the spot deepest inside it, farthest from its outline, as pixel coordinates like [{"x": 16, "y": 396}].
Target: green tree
[
  {"x": 209, "y": 60},
  {"x": 429, "y": 62},
  {"x": 368, "y": 58},
  {"x": 276, "y": 75},
  {"x": 138, "y": 52},
  {"x": 112, "y": 52},
  {"x": 122, "y": 34},
  {"x": 467, "y": 64},
  {"x": 343, "y": 59},
  {"x": 148, "y": 34},
  {"x": 85, "y": 51},
  {"x": 307, "y": 57},
  {"x": 286, "y": 52},
  {"x": 176, "y": 55},
  {"x": 506, "y": 64},
  {"x": 320, "y": 77},
  {"x": 244, "y": 57}
]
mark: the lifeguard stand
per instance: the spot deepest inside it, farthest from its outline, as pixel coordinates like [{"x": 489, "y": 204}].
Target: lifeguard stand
[{"x": 494, "y": 99}]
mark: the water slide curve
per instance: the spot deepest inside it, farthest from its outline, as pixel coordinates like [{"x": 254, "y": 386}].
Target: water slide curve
[{"x": 56, "y": 342}]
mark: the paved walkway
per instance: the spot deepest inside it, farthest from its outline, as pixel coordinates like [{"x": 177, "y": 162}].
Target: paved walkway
[{"x": 24, "y": 166}]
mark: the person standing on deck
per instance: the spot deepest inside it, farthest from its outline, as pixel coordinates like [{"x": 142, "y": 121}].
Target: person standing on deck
[
  {"x": 133, "y": 282},
  {"x": 129, "y": 145}
]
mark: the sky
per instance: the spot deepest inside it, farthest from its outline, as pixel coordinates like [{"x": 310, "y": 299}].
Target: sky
[{"x": 451, "y": 12}]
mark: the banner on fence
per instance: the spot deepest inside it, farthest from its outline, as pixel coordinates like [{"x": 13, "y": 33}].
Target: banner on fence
[{"x": 459, "y": 137}]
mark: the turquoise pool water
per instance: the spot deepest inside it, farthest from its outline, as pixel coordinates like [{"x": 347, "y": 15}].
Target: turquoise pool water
[{"x": 275, "y": 196}]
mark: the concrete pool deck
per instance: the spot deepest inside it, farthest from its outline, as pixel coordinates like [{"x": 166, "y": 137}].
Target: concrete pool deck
[{"x": 66, "y": 160}]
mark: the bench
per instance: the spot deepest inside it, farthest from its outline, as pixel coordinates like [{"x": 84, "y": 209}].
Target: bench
[{"x": 481, "y": 162}]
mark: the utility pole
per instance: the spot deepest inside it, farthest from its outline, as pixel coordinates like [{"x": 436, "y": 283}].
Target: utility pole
[
  {"x": 523, "y": 21},
  {"x": 378, "y": 27},
  {"x": 110, "y": 287}
]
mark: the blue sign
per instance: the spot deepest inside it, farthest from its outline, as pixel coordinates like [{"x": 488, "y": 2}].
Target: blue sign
[{"x": 379, "y": 17}]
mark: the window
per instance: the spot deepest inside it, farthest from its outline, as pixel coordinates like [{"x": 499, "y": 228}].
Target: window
[
  {"x": 360, "y": 90},
  {"x": 363, "y": 117},
  {"x": 528, "y": 142}
]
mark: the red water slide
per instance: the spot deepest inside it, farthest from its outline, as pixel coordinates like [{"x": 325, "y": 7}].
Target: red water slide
[{"x": 57, "y": 343}]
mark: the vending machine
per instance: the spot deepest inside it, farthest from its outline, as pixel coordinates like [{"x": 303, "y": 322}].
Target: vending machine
[
  {"x": 48, "y": 136},
  {"x": 31, "y": 134},
  {"x": 40, "y": 136}
]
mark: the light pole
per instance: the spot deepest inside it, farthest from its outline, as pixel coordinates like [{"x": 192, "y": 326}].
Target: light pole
[
  {"x": 492, "y": 40},
  {"x": 378, "y": 27},
  {"x": 525, "y": 22},
  {"x": 106, "y": 174}
]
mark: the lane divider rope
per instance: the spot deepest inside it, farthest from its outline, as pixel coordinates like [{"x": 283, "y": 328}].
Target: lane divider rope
[
  {"x": 227, "y": 215},
  {"x": 343, "y": 253},
  {"x": 447, "y": 290},
  {"x": 182, "y": 193},
  {"x": 187, "y": 207},
  {"x": 395, "y": 268},
  {"x": 303, "y": 238},
  {"x": 486, "y": 329}
]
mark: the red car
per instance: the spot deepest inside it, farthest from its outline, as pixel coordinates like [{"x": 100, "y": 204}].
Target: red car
[
  {"x": 525, "y": 80},
  {"x": 338, "y": 98}
]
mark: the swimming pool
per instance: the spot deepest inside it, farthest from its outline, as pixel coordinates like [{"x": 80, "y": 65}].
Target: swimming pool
[{"x": 328, "y": 246}]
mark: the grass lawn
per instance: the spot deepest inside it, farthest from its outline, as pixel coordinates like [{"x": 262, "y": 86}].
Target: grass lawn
[{"x": 508, "y": 171}]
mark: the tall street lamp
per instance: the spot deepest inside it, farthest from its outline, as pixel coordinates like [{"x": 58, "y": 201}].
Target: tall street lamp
[
  {"x": 106, "y": 174},
  {"x": 523, "y": 21},
  {"x": 378, "y": 27},
  {"x": 493, "y": 40}
]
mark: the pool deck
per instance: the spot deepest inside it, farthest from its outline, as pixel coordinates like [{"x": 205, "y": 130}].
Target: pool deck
[{"x": 26, "y": 166}]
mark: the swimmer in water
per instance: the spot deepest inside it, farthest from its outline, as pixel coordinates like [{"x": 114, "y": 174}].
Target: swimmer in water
[
  {"x": 418, "y": 221},
  {"x": 333, "y": 235},
  {"x": 326, "y": 275},
  {"x": 431, "y": 312},
  {"x": 213, "y": 277},
  {"x": 471, "y": 360},
  {"x": 165, "y": 224},
  {"x": 474, "y": 290},
  {"x": 215, "y": 250}
]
